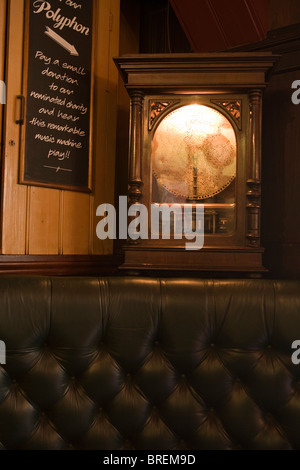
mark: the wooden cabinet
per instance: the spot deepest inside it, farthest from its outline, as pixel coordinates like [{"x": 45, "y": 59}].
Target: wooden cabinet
[{"x": 195, "y": 141}]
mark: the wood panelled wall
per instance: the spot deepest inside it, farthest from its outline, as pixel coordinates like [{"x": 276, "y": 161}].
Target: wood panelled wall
[
  {"x": 281, "y": 145},
  {"x": 283, "y": 13},
  {"x": 129, "y": 44},
  {"x": 42, "y": 221},
  {"x": 281, "y": 163},
  {"x": 2, "y": 57}
]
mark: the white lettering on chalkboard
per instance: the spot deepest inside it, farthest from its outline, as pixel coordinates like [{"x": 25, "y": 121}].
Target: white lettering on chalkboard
[
  {"x": 59, "y": 76},
  {"x": 69, "y": 117},
  {"x": 58, "y": 95},
  {"x": 37, "y": 122},
  {"x": 51, "y": 99},
  {"x": 66, "y": 128},
  {"x": 72, "y": 4},
  {"x": 60, "y": 21},
  {"x": 59, "y": 155},
  {"x": 69, "y": 143},
  {"x": 49, "y": 112},
  {"x": 41, "y": 56},
  {"x": 45, "y": 138},
  {"x": 79, "y": 70}
]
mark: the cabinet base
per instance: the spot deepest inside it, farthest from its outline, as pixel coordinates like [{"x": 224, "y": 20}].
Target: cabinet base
[{"x": 211, "y": 260}]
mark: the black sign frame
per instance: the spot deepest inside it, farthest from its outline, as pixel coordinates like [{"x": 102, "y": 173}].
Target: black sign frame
[{"x": 58, "y": 86}]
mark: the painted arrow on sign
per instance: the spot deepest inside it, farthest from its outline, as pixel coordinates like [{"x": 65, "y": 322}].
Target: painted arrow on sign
[{"x": 61, "y": 41}]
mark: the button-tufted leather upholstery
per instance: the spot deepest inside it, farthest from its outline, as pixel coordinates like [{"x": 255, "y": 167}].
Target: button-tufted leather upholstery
[{"x": 141, "y": 363}]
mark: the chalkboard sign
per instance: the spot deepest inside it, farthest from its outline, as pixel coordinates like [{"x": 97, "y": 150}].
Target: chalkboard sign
[{"x": 58, "y": 80}]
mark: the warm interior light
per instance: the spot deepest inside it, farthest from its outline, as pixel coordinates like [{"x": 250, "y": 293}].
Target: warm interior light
[{"x": 194, "y": 152}]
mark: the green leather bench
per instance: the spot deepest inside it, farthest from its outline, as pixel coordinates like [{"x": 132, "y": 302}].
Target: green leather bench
[{"x": 150, "y": 364}]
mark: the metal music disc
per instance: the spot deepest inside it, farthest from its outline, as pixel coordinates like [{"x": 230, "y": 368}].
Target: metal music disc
[{"x": 194, "y": 152}]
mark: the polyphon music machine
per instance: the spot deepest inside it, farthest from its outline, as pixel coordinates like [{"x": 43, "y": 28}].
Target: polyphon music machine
[{"x": 195, "y": 141}]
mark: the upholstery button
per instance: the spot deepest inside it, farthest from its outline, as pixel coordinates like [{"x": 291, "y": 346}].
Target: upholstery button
[
  {"x": 183, "y": 376},
  {"x": 269, "y": 346},
  {"x": 269, "y": 418},
  {"x": 212, "y": 345}
]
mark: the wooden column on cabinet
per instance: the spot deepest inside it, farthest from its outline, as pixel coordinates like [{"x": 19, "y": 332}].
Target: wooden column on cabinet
[
  {"x": 254, "y": 170},
  {"x": 135, "y": 149}
]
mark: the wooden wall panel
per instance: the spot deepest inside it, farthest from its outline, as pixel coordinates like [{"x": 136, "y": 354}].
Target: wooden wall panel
[
  {"x": 105, "y": 102},
  {"x": 14, "y": 196},
  {"x": 129, "y": 44},
  {"x": 283, "y": 13},
  {"x": 42, "y": 221},
  {"x": 75, "y": 223},
  {"x": 281, "y": 175},
  {"x": 3, "y": 6},
  {"x": 281, "y": 147},
  {"x": 43, "y": 218}
]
